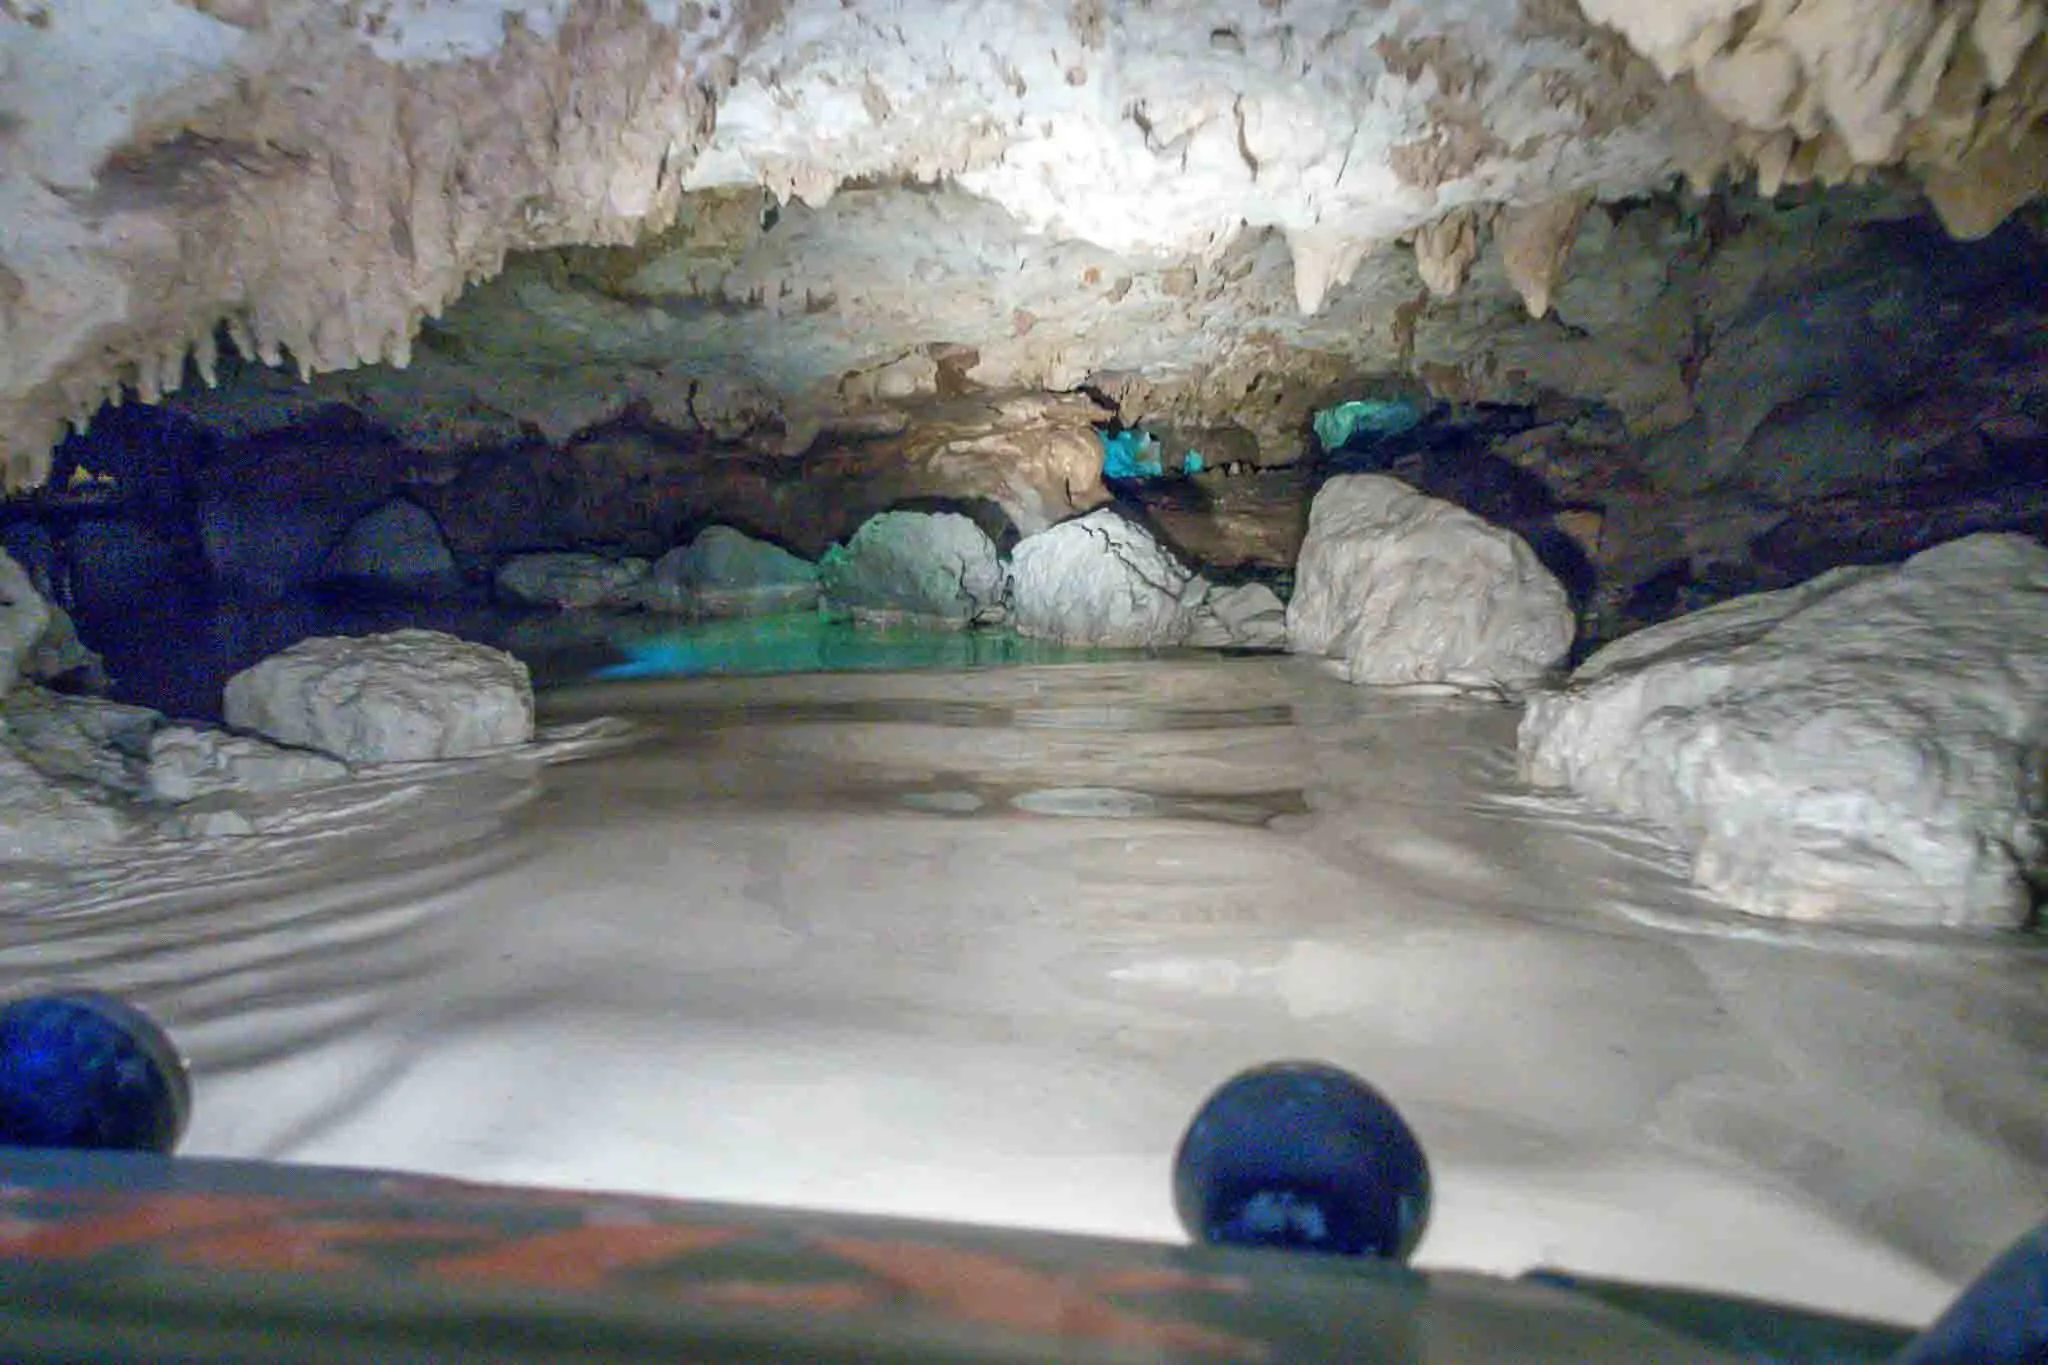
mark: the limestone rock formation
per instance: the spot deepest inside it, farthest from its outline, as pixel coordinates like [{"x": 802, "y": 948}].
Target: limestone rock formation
[
  {"x": 1101, "y": 580},
  {"x": 83, "y": 739},
  {"x": 932, "y": 566},
  {"x": 1247, "y": 616},
  {"x": 1035, "y": 456},
  {"x": 49, "y": 820},
  {"x": 1402, "y": 588},
  {"x": 397, "y": 548},
  {"x": 80, "y": 775},
  {"x": 24, "y": 616},
  {"x": 571, "y": 580},
  {"x": 61, "y": 659},
  {"x": 1846, "y": 365},
  {"x": 1949, "y": 88},
  {"x": 823, "y": 211},
  {"x": 1021, "y": 460},
  {"x": 589, "y": 274},
  {"x": 111, "y": 754},
  {"x": 1446, "y": 249},
  {"x": 401, "y": 697},
  {"x": 266, "y": 548},
  {"x": 1534, "y": 244},
  {"x": 1229, "y": 521},
  {"x": 724, "y": 573},
  {"x": 1865, "y": 748},
  {"x": 187, "y": 764},
  {"x": 49, "y": 809},
  {"x": 271, "y": 510}
]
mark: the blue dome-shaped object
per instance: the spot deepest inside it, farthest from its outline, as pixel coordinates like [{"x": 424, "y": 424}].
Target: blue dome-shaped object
[
  {"x": 87, "y": 1070},
  {"x": 1304, "y": 1156}
]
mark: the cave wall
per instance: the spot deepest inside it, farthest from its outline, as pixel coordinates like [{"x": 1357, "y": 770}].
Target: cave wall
[
  {"x": 830, "y": 203},
  {"x": 1840, "y": 381}
]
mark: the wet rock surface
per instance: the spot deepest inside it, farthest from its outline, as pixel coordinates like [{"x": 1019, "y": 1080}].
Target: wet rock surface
[
  {"x": 24, "y": 616},
  {"x": 571, "y": 579},
  {"x": 1101, "y": 579},
  {"x": 727, "y": 573},
  {"x": 1243, "y": 616},
  {"x": 403, "y": 697},
  {"x": 1399, "y": 588},
  {"x": 83, "y": 739},
  {"x": 395, "y": 548},
  {"x": 48, "y": 820},
  {"x": 1863, "y": 748},
  {"x": 187, "y": 764},
  {"x": 936, "y": 566}
]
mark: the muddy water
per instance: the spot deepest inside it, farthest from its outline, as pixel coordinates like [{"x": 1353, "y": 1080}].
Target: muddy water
[{"x": 973, "y": 944}]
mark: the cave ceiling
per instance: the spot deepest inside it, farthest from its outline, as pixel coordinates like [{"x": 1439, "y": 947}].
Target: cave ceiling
[{"x": 480, "y": 220}]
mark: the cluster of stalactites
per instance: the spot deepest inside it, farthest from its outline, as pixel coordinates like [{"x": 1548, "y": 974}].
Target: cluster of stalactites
[
  {"x": 1954, "y": 93},
  {"x": 309, "y": 348}
]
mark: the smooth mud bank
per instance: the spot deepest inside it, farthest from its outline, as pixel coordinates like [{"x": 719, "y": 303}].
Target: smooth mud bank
[{"x": 974, "y": 944}]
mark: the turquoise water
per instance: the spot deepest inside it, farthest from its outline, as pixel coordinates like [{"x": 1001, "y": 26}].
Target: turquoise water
[{"x": 820, "y": 644}]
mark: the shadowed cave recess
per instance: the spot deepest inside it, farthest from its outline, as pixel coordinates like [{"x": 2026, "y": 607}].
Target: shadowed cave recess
[
  {"x": 1007, "y": 473},
  {"x": 1874, "y": 388}
]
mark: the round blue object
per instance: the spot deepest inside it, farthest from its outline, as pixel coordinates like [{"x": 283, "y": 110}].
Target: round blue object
[
  {"x": 1303, "y": 1156},
  {"x": 87, "y": 1070}
]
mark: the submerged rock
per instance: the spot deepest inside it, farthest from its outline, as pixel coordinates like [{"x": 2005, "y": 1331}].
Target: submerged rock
[
  {"x": 571, "y": 580},
  {"x": 186, "y": 764},
  {"x": 1867, "y": 747},
  {"x": 1403, "y": 588},
  {"x": 727, "y": 573},
  {"x": 403, "y": 697},
  {"x": 936, "y": 566},
  {"x": 1101, "y": 580}
]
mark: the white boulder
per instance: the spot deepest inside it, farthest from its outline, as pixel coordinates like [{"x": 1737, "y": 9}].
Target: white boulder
[
  {"x": 571, "y": 580},
  {"x": 186, "y": 763},
  {"x": 725, "y": 573},
  {"x": 1101, "y": 580},
  {"x": 44, "y": 819},
  {"x": 403, "y": 697},
  {"x": 24, "y": 616},
  {"x": 923, "y": 565},
  {"x": 1868, "y": 747},
  {"x": 1399, "y": 587}
]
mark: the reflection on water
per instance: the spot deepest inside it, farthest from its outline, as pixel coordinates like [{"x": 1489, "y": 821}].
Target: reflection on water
[
  {"x": 813, "y": 643},
  {"x": 972, "y": 942},
  {"x": 218, "y": 635},
  {"x": 1119, "y": 803}
]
